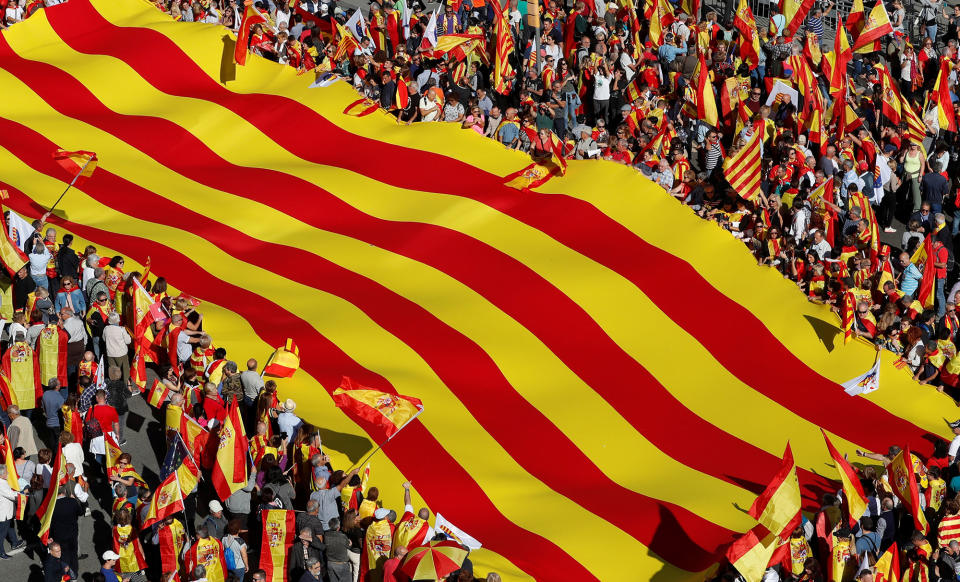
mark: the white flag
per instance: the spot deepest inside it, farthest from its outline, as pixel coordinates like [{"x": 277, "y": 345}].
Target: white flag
[
  {"x": 430, "y": 34},
  {"x": 325, "y": 80},
  {"x": 357, "y": 26},
  {"x": 99, "y": 382},
  {"x": 455, "y": 533},
  {"x": 881, "y": 177},
  {"x": 18, "y": 229},
  {"x": 864, "y": 383}
]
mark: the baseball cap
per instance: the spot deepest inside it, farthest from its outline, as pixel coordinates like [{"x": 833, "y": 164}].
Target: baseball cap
[
  {"x": 110, "y": 555},
  {"x": 381, "y": 513},
  {"x": 215, "y": 506}
]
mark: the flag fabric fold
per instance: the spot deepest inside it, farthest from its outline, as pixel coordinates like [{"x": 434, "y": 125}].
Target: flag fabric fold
[
  {"x": 778, "y": 507},
  {"x": 284, "y": 362},
  {"x": 852, "y": 489},
  {"x": 79, "y": 164},
  {"x": 903, "y": 480},
  {"x": 230, "y": 471},
  {"x": 279, "y": 532}
]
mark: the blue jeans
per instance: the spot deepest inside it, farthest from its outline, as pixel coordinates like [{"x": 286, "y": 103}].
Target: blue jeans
[
  {"x": 40, "y": 280},
  {"x": 941, "y": 297},
  {"x": 9, "y": 534},
  {"x": 570, "y": 112},
  {"x": 932, "y": 32}
]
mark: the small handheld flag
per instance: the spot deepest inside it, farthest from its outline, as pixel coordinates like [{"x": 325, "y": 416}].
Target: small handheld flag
[
  {"x": 284, "y": 362},
  {"x": 80, "y": 164},
  {"x": 864, "y": 383}
]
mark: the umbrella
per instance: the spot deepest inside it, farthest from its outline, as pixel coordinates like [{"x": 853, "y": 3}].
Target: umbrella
[{"x": 434, "y": 560}]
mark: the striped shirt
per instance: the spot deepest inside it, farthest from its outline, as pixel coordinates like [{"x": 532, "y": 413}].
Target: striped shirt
[
  {"x": 815, "y": 26},
  {"x": 713, "y": 157},
  {"x": 949, "y": 530}
]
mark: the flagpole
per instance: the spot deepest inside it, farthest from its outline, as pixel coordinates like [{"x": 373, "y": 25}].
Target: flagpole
[
  {"x": 70, "y": 185},
  {"x": 267, "y": 362},
  {"x": 412, "y": 418}
]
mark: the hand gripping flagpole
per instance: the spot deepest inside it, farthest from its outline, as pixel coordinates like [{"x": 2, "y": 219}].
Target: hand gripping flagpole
[
  {"x": 412, "y": 418},
  {"x": 70, "y": 185}
]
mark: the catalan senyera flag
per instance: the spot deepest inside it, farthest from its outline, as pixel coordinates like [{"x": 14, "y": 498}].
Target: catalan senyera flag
[
  {"x": 940, "y": 97},
  {"x": 388, "y": 413},
  {"x": 448, "y": 285},
  {"x": 852, "y": 489},
  {"x": 79, "y": 164},
  {"x": 250, "y": 17},
  {"x": 279, "y": 533},
  {"x": 230, "y": 471},
  {"x": 903, "y": 481},
  {"x": 742, "y": 169},
  {"x": 284, "y": 361},
  {"x": 777, "y": 508},
  {"x": 504, "y": 48},
  {"x": 876, "y": 27},
  {"x": 20, "y": 505},
  {"x": 46, "y": 507}
]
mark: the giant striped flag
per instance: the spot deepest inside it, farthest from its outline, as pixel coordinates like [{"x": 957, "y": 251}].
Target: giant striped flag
[
  {"x": 742, "y": 169},
  {"x": 513, "y": 316}
]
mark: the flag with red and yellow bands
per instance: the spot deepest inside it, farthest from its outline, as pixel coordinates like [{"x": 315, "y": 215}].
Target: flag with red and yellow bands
[{"x": 571, "y": 323}]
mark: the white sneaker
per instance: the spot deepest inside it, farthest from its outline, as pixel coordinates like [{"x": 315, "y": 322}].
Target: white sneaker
[{"x": 889, "y": 229}]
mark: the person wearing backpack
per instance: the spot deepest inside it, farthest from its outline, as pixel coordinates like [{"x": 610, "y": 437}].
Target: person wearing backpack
[{"x": 235, "y": 549}]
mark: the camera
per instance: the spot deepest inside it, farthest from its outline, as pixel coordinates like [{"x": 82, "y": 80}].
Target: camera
[{"x": 283, "y": 435}]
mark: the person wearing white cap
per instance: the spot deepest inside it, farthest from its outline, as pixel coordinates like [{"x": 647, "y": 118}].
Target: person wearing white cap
[
  {"x": 109, "y": 561},
  {"x": 289, "y": 422},
  {"x": 216, "y": 522},
  {"x": 378, "y": 546}
]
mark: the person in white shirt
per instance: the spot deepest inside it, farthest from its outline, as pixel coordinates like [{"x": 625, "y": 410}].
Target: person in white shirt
[
  {"x": 72, "y": 452},
  {"x": 14, "y": 12},
  {"x": 429, "y": 106},
  {"x": 955, "y": 443},
  {"x": 820, "y": 245},
  {"x": 601, "y": 91},
  {"x": 8, "y": 503}
]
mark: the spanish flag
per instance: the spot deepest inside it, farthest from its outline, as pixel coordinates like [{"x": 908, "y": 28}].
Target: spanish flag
[
  {"x": 21, "y": 375},
  {"x": 746, "y": 25},
  {"x": 250, "y": 17},
  {"x": 852, "y": 489},
  {"x": 188, "y": 475},
  {"x": 171, "y": 539},
  {"x": 892, "y": 101},
  {"x": 705, "y": 98},
  {"x": 382, "y": 413},
  {"x": 10, "y": 254},
  {"x": 751, "y": 553},
  {"x": 742, "y": 169},
  {"x": 45, "y": 510},
  {"x": 778, "y": 507},
  {"x": 924, "y": 254},
  {"x": 80, "y": 164},
  {"x": 230, "y": 470},
  {"x": 12, "y": 479},
  {"x": 158, "y": 394},
  {"x": 841, "y": 57},
  {"x": 903, "y": 480},
  {"x": 846, "y": 315},
  {"x": 855, "y": 21},
  {"x": 51, "y": 353},
  {"x": 279, "y": 532},
  {"x": 888, "y": 566},
  {"x": 113, "y": 450},
  {"x": 941, "y": 96},
  {"x": 877, "y": 26},
  {"x": 284, "y": 362},
  {"x": 795, "y": 13},
  {"x": 167, "y": 500},
  {"x": 194, "y": 435}
]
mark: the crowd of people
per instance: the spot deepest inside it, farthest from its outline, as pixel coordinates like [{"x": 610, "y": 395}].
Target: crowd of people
[{"x": 72, "y": 316}]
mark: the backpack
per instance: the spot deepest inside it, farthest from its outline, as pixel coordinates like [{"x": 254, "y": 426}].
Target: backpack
[
  {"x": 91, "y": 426},
  {"x": 232, "y": 560}
]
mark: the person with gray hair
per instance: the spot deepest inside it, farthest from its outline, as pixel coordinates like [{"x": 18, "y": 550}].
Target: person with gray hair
[
  {"x": 199, "y": 574},
  {"x": 314, "y": 570},
  {"x": 20, "y": 433},
  {"x": 116, "y": 341},
  {"x": 90, "y": 266},
  {"x": 306, "y": 547}
]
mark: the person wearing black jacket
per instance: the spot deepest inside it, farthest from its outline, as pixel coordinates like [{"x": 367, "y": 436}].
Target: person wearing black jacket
[
  {"x": 23, "y": 286},
  {"x": 64, "y": 528},
  {"x": 307, "y": 546},
  {"x": 68, "y": 263},
  {"x": 55, "y": 569}
]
